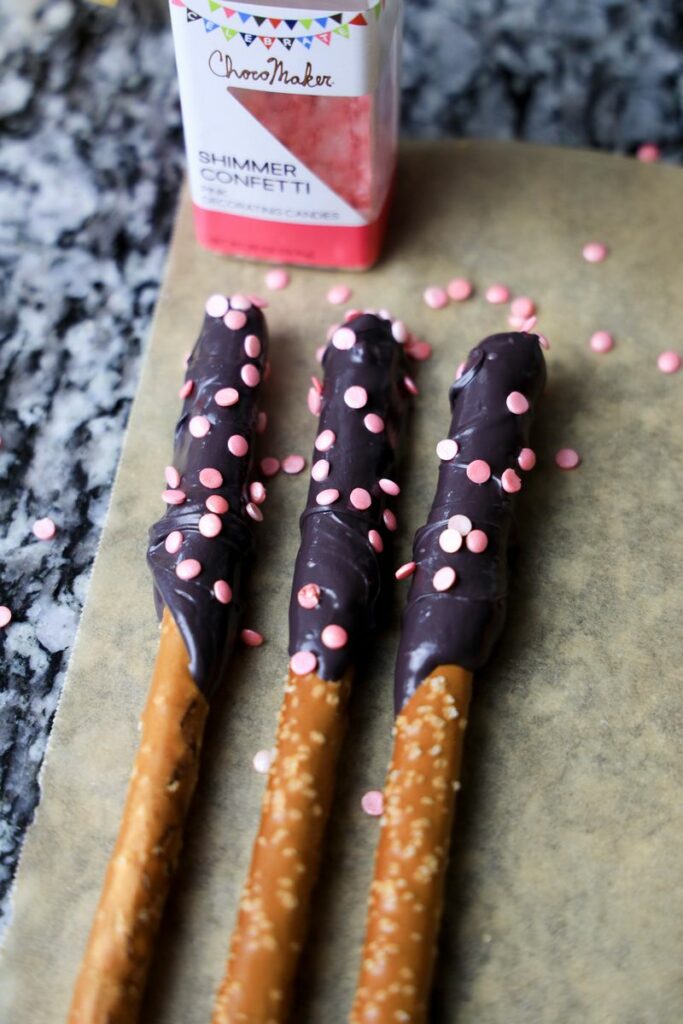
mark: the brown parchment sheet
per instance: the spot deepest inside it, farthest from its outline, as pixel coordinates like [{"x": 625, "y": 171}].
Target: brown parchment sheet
[{"x": 565, "y": 893}]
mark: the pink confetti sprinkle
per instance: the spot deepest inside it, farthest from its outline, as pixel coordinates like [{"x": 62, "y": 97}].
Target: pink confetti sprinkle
[
  {"x": 338, "y": 294},
  {"x": 360, "y": 498},
  {"x": 435, "y": 297},
  {"x": 252, "y": 346},
  {"x": 240, "y": 302},
  {"x": 334, "y": 637},
  {"x": 188, "y": 569},
  {"x": 270, "y": 466},
  {"x": 418, "y": 350},
  {"x": 410, "y": 386},
  {"x": 648, "y": 153},
  {"x": 479, "y": 471},
  {"x": 669, "y": 362},
  {"x": 527, "y": 459},
  {"x": 328, "y": 496},
  {"x": 517, "y": 403},
  {"x": 44, "y": 529},
  {"x": 222, "y": 591},
  {"x": 238, "y": 445},
  {"x": 250, "y": 374},
  {"x": 174, "y": 542},
  {"x": 523, "y": 307},
  {"x": 217, "y": 503},
  {"x": 257, "y": 492},
  {"x": 308, "y": 596},
  {"x": 543, "y": 341},
  {"x": 325, "y": 440},
  {"x": 463, "y": 524},
  {"x": 251, "y": 638},
  {"x": 376, "y": 542},
  {"x": 356, "y": 397},
  {"x": 389, "y": 520},
  {"x": 5, "y": 616},
  {"x": 210, "y": 525},
  {"x": 373, "y": 423},
  {"x": 389, "y": 486},
  {"x": 172, "y": 476},
  {"x": 173, "y": 496},
  {"x": 211, "y": 478},
  {"x": 187, "y": 389},
  {"x": 293, "y": 464},
  {"x": 601, "y": 341},
  {"x": 528, "y": 325},
  {"x": 261, "y": 422},
  {"x": 351, "y": 314},
  {"x": 226, "y": 397},
  {"x": 444, "y": 578},
  {"x": 216, "y": 306},
  {"x": 594, "y": 252},
  {"x": 317, "y": 384},
  {"x": 254, "y": 512},
  {"x": 343, "y": 338},
  {"x": 459, "y": 289},
  {"x": 303, "y": 663},
  {"x": 314, "y": 401},
  {"x": 567, "y": 458},
  {"x": 510, "y": 481},
  {"x": 256, "y": 300},
  {"x": 460, "y": 369},
  {"x": 372, "y": 803},
  {"x": 262, "y": 761},
  {"x": 447, "y": 449},
  {"x": 399, "y": 331},
  {"x": 477, "y": 541},
  {"x": 406, "y": 570},
  {"x": 234, "y": 319},
  {"x": 450, "y": 541},
  {"x": 199, "y": 426},
  {"x": 497, "y": 294},
  {"x": 277, "y": 279},
  {"x": 320, "y": 470}
]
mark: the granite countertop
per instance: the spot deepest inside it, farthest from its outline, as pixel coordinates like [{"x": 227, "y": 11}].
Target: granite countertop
[{"x": 90, "y": 166}]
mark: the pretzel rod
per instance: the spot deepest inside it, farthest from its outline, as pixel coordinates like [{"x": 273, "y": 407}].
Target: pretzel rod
[
  {"x": 335, "y": 595},
  {"x": 196, "y": 552},
  {"x": 454, "y": 616}
]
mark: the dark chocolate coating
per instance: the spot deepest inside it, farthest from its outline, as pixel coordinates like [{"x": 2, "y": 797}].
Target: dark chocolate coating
[
  {"x": 207, "y": 626},
  {"x": 335, "y": 551},
  {"x": 460, "y": 626}
]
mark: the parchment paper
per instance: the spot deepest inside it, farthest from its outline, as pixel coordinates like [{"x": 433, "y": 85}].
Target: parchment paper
[{"x": 565, "y": 894}]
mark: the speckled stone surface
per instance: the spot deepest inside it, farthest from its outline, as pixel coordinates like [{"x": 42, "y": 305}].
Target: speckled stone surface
[{"x": 90, "y": 164}]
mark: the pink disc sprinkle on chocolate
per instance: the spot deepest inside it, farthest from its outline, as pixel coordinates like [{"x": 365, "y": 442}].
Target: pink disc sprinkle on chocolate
[
  {"x": 226, "y": 397},
  {"x": 240, "y": 302},
  {"x": 334, "y": 637},
  {"x": 479, "y": 471},
  {"x": 210, "y": 525},
  {"x": 262, "y": 761},
  {"x": 389, "y": 520},
  {"x": 293, "y": 464},
  {"x": 5, "y": 616},
  {"x": 594, "y": 252},
  {"x": 217, "y": 503},
  {"x": 435, "y": 297},
  {"x": 251, "y": 638},
  {"x": 172, "y": 476},
  {"x": 373, "y": 423},
  {"x": 648, "y": 153},
  {"x": 257, "y": 301},
  {"x": 252, "y": 346},
  {"x": 517, "y": 403},
  {"x": 303, "y": 663},
  {"x": 308, "y": 596},
  {"x": 174, "y": 542},
  {"x": 222, "y": 591},
  {"x": 356, "y": 397},
  {"x": 444, "y": 578},
  {"x": 44, "y": 529},
  {"x": 418, "y": 350},
  {"x": 216, "y": 305},
  {"x": 389, "y": 486},
  {"x": 527, "y": 459},
  {"x": 669, "y": 362},
  {"x": 497, "y": 294},
  {"x": 459, "y": 289},
  {"x": 510, "y": 481},
  {"x": 257, "y": 492},
  {"x": 261, "y": 422},
  {"x": 320, "y": 470},
  {"x": 460, "y": 369},
  {"x": 254, "y": 512},
  {"x": 376, "y": 542},
  {"x": 343, "y": 338},
  {"x": 210, "y": 478},
  {"x": 270, "y": 465},
  {"x": 188, "y": 569},
  {"x": 277, "y": 279},
  {"x": 399, "y": 331},
  {"x": 476, "y": 542},
  {"x": 237, "y": 445},
  {"x": 235, "y": 319},
  {"x": 360, "y": 498},
  {"x": 567, "y": 458},
  {"x": 601, "y": 341},
  {"x": 186, "y": 389},
  {"x": 372, "y": 803},
  {"x": 527, "y": 326},
  {"x": 325, "y": 440},
  {"x": 172, "y": 496},
  {"x": 250, "y": 374},
  {"x": 406, "y": 570},
  {"x": 410, "y": 386},
  {"x": 328, "y": 496},
  {"x": 543, "y": 341},
  {"x": 314, "y": 402},
  {"x": 450, "y": 541},
  {"x": 317, "y": 384},
  {"x": 447, "y": 449},
  {"x": 523, "y": 307},
  {"x": 199, "y": 426},
  {"x": 463, "y": 524},
  {"x": 338, "y": 294}
]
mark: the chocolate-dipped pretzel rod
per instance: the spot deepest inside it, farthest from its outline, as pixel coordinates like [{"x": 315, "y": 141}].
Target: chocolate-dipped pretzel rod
[
  {"x": 196, "y": 554},
  {"x": 454, "y": 615},
  {"x": 335, "y": 595}
]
